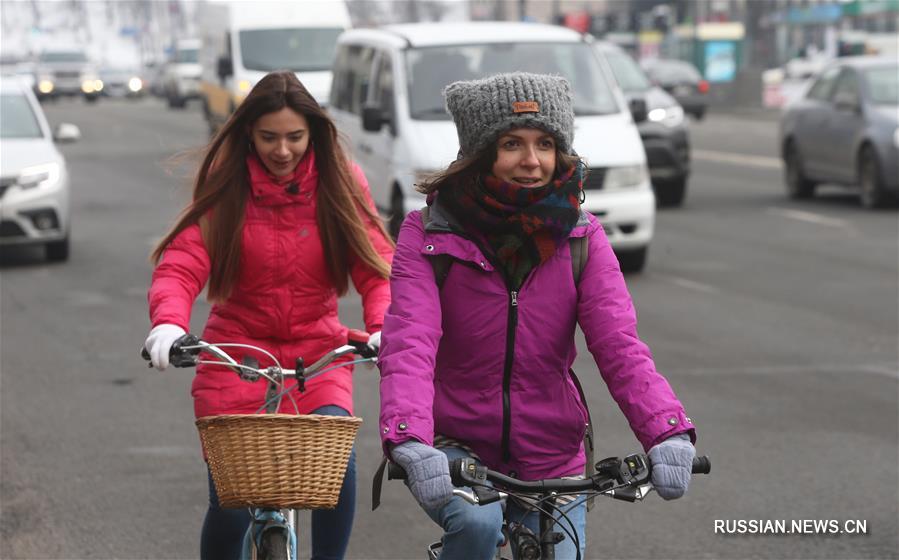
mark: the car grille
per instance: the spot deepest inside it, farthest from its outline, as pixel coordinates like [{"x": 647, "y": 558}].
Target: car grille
[
  {"x": 67, "y": 74},
  {"x": 10, "y": 229},
  {"x": 595, "y": 178}
]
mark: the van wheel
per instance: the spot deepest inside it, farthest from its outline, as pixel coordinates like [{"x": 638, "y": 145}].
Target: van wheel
[
  {"x": 57, "y": 251},
  {"x": 397, "y": 213},
  {"x": 176, "y": 102},
  {"x": 671, "y": 193},
  {"x": 632, "y": 261}
]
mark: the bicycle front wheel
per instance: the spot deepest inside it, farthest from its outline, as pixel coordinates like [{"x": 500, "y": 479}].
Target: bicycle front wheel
[{"x": 274, "y": 545}]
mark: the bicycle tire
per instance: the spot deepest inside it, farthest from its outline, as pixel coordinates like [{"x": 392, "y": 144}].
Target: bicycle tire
[{"x": 274, "y": 545}]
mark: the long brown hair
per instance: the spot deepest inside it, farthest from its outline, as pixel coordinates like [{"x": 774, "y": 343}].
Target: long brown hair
[
  {"x": 468, "y": 168},
  {"x": 222, "y": 182}
]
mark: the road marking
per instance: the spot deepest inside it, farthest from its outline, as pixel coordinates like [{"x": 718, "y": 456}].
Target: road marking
[
  {"x": 739, "y": 159},
  {"x": 692, "y": 285},
  {"x": 810, "y": 217},
  {"x": 886, "y": 370}
]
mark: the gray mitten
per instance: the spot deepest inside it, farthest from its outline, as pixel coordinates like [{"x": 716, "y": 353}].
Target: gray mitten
[
  {"x": 427, "y": 473},
  {"x": 672, "y": 466}
]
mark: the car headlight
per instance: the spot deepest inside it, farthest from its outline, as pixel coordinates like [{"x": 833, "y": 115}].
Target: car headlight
[
  {"x": 45, "y": 86},
  {"x": 45, "y": 175},
  {"x": 669, "y": 116},
  {"x": 92, "y": 85},
  {"x": 135, "y": 84},
  {"x": 625, "y": 177}
]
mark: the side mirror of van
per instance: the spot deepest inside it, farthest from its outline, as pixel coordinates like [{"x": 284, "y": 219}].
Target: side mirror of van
[
  {"x": 225, "y": 68},
  {"x": 373, "y": 118},
  {"x": 637, "y": 106}
]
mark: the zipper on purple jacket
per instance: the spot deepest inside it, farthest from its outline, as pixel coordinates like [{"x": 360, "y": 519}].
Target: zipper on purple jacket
[{"x": 507, "y": 373}]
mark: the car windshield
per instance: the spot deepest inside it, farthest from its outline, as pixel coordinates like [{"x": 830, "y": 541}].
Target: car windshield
[
  {"x": 17, "y": 119},
  {"x": 883, "y": 83},
  {"x": 668, "y": 71},
  {"x": 63, "y": 56},
  {"x": 629, "y": 76},
  {"x": 430, "y": 70},
  {"x": 298, "y": 49},
  {"x": 187, "y": 56}
]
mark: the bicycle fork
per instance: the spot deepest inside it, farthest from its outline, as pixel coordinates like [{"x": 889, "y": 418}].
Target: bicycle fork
[{"x": 265, "y": 520}]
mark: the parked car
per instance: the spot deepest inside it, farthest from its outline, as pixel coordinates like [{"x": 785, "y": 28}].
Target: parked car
[
  {"x": 662, "y": 126},
  {"x": 682, "y": 80},
  {"x": 34, "y": 183},
  {"x": 67, "y": 71},
  {"x": 844, "y": 131},
  {"x": 387, "y": 97}
]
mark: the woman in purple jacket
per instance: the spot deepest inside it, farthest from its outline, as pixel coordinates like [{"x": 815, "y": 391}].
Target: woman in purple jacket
[{"x": 478, "y": 363}]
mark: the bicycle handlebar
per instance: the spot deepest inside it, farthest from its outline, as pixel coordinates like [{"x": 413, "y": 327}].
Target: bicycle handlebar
[
  {"x": 626, "y": 479},
  {"x": 185, "y": 352}
]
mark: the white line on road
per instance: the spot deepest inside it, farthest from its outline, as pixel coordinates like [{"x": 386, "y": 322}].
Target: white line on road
[
  {"x": 810, "y": 217},
  {"x": 739, "y": 159},
  {"x": 886, "y": 370},
  {"x": 692, "y": 285}
]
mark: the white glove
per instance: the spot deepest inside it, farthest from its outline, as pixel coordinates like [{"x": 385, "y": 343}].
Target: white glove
[
  {"x": 374, "y": 341},
  {"x": 159, "y": 343}
]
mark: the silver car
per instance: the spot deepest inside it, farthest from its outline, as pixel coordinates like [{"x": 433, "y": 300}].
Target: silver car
[
  {"x": 844, "y": 131},
  {"x": 34, "y": 183}
]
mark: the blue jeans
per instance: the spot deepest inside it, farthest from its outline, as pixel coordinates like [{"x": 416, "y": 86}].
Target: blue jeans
[
  {"x": 223, "y": 529},
  {"x": 473, "y": 532}
]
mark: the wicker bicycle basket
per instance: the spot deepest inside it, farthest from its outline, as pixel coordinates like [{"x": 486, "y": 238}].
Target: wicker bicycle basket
[{"x": 278, "y": 460}]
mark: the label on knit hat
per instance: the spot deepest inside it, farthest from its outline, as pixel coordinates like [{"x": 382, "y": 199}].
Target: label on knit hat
[{"x": 525, "y": 107}]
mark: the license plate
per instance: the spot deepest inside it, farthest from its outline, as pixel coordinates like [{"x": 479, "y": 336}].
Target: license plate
[{"x": 683, "y": 90}]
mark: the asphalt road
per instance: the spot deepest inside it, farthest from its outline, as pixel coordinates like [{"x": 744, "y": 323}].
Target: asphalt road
[{"x": 775, "y": 321}]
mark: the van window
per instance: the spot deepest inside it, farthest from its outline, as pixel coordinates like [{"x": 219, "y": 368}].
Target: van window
[
  {"x": 431, "y": 69},
  {"x": 351, "y": 77},
  {"x": 629, "y": 76},
  {"x": 384, "y": 85},
  {"x": 63, "y": 56},
  {"x": 186, "y": 56},
  {"x": 298, "y": 49}
]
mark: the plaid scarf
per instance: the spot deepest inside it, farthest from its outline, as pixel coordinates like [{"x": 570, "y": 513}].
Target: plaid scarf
[{"x": 523, "y": 225}]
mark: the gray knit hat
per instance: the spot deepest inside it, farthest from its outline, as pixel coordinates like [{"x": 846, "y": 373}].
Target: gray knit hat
[{"x": 484, "y": 109}]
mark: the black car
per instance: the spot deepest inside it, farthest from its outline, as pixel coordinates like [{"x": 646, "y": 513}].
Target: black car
[
  {"x": 660, "y": 121},
  {"x": 682, "y": 80},
  {"x": 845, "y": 130}
]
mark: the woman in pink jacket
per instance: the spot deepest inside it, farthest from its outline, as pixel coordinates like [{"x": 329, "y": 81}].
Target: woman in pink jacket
[
  {"x": 279, "y": 222},
  {"x": 478, "y": 362}
]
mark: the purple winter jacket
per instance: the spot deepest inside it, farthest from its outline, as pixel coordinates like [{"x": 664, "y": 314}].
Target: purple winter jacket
[{"x": 443, "y": 357}]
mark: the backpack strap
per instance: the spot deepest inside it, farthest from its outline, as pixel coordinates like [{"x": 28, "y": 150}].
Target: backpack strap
[
  {"x": 589, "y": 468},
  {"x": 578, "y": 246},
  {"x": 440, "y": 263}
]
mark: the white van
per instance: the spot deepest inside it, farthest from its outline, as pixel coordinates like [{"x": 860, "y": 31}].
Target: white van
[
  {"x": 181, "y": 77},
  {"x": 244, "y": 40},
  {"x": 387, "y": 101}
]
